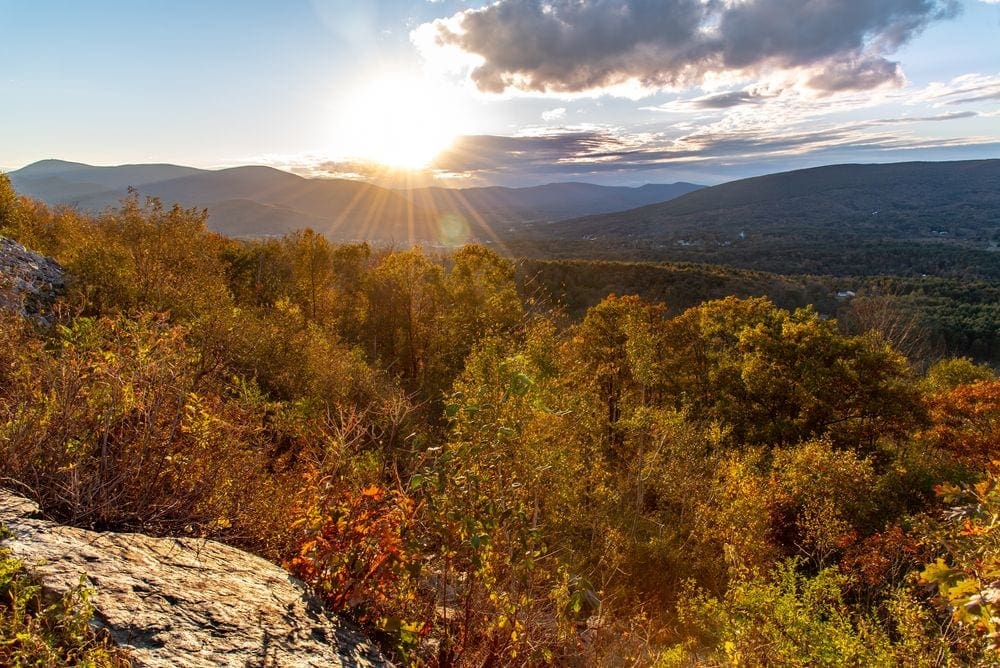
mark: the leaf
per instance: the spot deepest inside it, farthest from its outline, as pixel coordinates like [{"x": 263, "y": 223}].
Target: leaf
[{"x": 520, "y": 384}]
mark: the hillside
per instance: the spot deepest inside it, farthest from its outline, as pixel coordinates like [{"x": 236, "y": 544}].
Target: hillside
[
  {"x": 243, "y": 201},
  {"x": 553, "y": 201},
  {"x": 261, "y": 201},
  {"x": 907, "y": 218}
]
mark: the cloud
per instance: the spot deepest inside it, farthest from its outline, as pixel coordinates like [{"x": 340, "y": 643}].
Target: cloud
[
  {"x": 726, "y": 100},
  {"x": 597, "y": 152},
  {"x": 718, "y": 101},
  {"x": 554, "y": 114},
  {"x": 964, "y": 89},
  {"x": 726, "y": 148},
  {"x": 573, "y": 46},
  {"x": 981, "y": 97},
  {"x": 951, "y": 116}
]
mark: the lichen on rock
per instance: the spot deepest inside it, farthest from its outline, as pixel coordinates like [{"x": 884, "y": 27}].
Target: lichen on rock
[{"x": 185, "y": 601}]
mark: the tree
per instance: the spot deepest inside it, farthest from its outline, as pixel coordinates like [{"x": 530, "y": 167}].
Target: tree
[
  {"x": 407, "y": 299},
  {"x": 948, "y": 374},
  {"x": 311, "y": 259},
  {"x": 482, "y": 301},
  {"x": 774, "y": 377},
  {"x": 144, "y": 256},
  {"x": 613, "y": 354},
  {"x": 966, "y": 422}
]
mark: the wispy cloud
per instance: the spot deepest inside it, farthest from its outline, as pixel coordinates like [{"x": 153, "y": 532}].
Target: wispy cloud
[
  {"x": 964, "y": 89},
  {"x": 594, "y": 151}
]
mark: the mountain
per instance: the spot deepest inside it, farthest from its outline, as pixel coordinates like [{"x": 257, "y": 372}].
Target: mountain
[
  {"x": 553, "y": 201},
  {"x": 907, "y": 218},
  {"x": 61, "y": 182},
  {"x": 261, "y": 201},
  {"x": 242, "y": 201}
]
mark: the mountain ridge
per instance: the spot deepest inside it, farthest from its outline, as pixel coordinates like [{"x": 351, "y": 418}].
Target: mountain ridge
[
  {"x": 260, "y": 201},
  {"x": 836, "y": 219}
]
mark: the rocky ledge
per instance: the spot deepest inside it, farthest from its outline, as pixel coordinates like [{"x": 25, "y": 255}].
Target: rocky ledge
[
  {"x": 29, "y": 282},
  {"x": 184, "y": 601}
]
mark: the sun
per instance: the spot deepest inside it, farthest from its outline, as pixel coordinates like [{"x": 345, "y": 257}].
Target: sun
[{"x": 398, "y": 122}]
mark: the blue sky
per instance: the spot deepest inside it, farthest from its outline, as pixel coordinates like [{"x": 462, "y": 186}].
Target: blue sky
[{"x": 517, "y": 92}]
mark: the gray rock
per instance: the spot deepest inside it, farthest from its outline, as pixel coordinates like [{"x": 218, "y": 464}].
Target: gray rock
[
  {"x": 29, "y": 282},
  {"x": 185, "y": 601}
]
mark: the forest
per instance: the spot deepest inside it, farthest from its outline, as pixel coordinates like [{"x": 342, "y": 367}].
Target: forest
[
  {"x": 931, "y": 316},
  {"x": 483, "y": 474}
]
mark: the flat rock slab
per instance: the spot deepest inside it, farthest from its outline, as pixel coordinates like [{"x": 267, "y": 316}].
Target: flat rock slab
[{"x": 184, "y": 601}]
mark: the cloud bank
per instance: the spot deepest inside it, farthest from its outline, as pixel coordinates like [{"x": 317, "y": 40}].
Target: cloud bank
[{"x": 574, "y": 46}]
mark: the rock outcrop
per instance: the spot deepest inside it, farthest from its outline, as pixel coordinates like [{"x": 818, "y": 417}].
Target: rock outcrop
[
  {"x": 29, "y": 282},
  {"x": 184, "y": 601}
]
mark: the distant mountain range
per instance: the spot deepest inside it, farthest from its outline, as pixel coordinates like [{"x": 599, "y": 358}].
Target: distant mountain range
[
  {"x": 933, "y": 218},
  {"x": 905, "y": 218},
  {"x": 261, "y": 201}
]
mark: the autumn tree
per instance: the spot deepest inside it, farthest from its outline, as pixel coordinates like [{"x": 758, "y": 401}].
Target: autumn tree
[
  {"x": 775, "y": 377},
  {"x": 310, "y": 258},
  {"x": 407, "y": 297},
  {"x": 482, "y": 300}
]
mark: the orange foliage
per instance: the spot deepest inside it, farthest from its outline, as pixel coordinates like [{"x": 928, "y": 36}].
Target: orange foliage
[
  {"x": 353, "y": 548},
  {"x": 883, "y": 559},
  {"x": 966, "y": 421}
]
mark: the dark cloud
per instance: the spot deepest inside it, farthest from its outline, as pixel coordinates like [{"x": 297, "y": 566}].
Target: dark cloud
[
  {"x": 487, "y": 153},
  {"x": 861, "y": 74},
  {"x": 727, "y": 100},
  {"x": 578, "y": 45}
]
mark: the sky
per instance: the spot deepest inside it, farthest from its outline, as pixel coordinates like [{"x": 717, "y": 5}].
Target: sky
[{"x": 510, "y": 92}]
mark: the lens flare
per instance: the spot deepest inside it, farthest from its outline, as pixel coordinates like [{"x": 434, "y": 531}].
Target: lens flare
[{"x": 453, "y": 230}]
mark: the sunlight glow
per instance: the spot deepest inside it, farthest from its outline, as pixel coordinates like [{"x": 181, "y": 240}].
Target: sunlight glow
[{"x": 398, "y": 122}]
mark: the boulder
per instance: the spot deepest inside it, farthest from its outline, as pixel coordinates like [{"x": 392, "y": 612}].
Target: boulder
[
  {"x": 185, "y": 601},
  {"x": 29, "y": 282}
]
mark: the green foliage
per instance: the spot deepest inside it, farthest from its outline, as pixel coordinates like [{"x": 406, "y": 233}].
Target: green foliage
[
  {"x": 35, "y": 631},
  {"x": 779, "y": 377},
  {"x": 958, "y": 314},
  {"x": 787, "y": 619},
  {"x": 947, "y": 374}
]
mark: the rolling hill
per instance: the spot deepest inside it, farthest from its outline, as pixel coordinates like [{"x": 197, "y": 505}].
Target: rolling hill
[
  {"x": 261, "y": 201},
  {"x": 904, "y": 218},
  {"x": 546, "y": 203}
]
